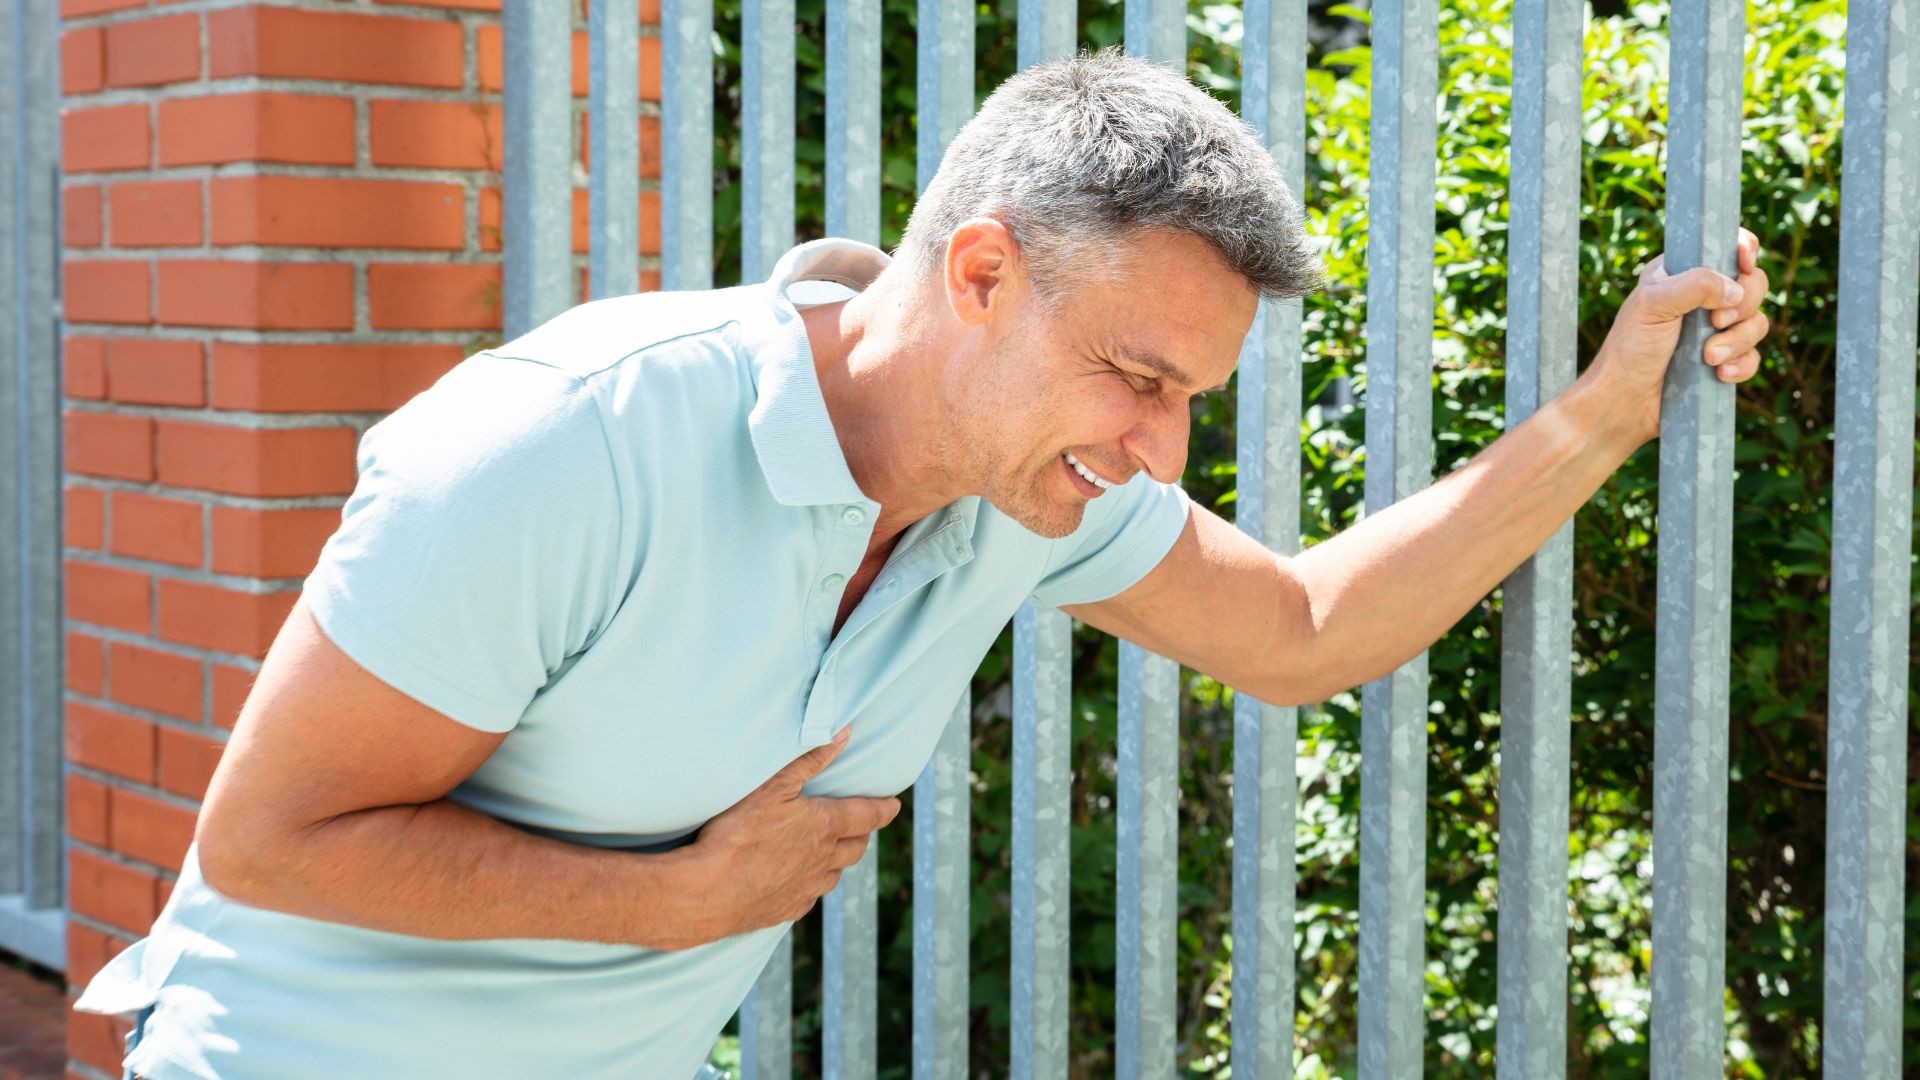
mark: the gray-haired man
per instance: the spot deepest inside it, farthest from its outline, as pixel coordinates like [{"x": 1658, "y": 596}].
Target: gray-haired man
[{"x": 556, "y": 743}]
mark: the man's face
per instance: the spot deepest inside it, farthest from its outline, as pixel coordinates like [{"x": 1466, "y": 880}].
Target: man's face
[{"x": 1105, "y": 381}]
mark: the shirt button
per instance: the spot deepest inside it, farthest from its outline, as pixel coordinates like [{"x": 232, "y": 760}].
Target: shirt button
[
  {"x": 853, "y": 516},
  {"x": 833, "y": 581}
]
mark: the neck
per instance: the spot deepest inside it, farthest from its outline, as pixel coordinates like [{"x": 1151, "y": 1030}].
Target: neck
[{"x": 876, "y": 356}]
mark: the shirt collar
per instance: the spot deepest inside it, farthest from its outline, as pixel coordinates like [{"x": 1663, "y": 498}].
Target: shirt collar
[{"x": 792, "y": 434}]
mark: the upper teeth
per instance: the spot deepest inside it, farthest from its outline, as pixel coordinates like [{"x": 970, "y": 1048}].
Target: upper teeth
[{"x": 1088, "y": 474}]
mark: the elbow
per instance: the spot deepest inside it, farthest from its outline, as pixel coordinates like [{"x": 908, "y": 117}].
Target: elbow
[{"x": 234, "y": 860}]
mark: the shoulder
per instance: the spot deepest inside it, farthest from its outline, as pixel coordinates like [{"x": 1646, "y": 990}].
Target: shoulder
[{"x": 640, "y": 330}]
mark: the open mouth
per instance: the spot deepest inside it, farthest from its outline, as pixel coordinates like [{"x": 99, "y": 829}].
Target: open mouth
[{"x": 1091, "y": 483}]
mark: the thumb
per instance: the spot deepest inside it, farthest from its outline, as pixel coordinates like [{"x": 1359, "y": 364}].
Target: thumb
[
  {"x": 1672, "y": 297},
  {"x": 809, "y": 765}
]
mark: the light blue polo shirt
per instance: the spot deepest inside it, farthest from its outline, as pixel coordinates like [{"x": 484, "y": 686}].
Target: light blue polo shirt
[{"x": 621, "y": 539}]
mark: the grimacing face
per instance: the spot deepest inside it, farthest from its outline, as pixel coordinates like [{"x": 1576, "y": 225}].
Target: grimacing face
[{"x": 1107, "y": 378}]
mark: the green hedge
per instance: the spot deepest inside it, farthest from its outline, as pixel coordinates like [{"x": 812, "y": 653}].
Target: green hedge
[{"x": 1776, "y": 797}]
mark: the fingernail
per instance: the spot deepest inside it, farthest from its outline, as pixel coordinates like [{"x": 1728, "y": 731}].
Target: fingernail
[
  {"x": 1716, "y": 354},
  {"x": 1728, "y": 371},
  {"x": 1733, "y": 292}
]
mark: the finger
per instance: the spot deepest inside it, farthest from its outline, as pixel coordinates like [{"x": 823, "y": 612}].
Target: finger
[
  {"x": 1749, "y": 250},
  {"x": 1730, "y": 343},
  {"x": 1697, "y": 288},
  {"x": 849, "y": 850},
  {"x": 1739, "y": 369},
  {"x": 1652, "y": 267},
  {"x": 1753, "y": 293},
  {"x": 857, "y": 816},
  {"x": 808, "y": 765}
]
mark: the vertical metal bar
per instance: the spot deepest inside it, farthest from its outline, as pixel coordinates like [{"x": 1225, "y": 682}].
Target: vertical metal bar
[
  {"x": 1267, "y": 508},
  {"x": 686, "y": 151},
  {"x": 849, "y": 935},
  {"x": 1872, "y": 542},
  {"x": 1536, "y": 698},
  {"x": 766, "y": 231},
  {"x": 30, "y": 531},
  {"x": 1393, "y": 727},
  {"x": 941, "y": 800},
  {"x": 850, "y": 947},
  {"x": 1157, "y": 30},
  {"x": 537, "y": 231},
  {"x": 1695, "y": 578},
  {"x": 1149, "y": 780},
  {"x": 1147, "y": 814},
  {"x": 766, "y": 1018},
  {"x": 1044, "y": 31},
  {"x": 942, "y": 804},
  {"x": 944, "y": 50},
  {"x": 766, "y": 137},
  {"x": 1042, "y": 815},
  {"x": 853, "y": 119},
  {"x": 613, "y": 195}
]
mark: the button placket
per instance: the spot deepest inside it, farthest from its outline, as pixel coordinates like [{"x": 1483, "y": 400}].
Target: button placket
[{"x": 846, "y": 546}]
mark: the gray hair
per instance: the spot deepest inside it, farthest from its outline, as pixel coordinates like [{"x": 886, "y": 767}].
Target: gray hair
[{"x": 1075, "y": 155}]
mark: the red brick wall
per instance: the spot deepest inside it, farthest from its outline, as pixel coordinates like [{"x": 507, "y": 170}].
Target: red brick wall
[{"x": 281, "y": 221}]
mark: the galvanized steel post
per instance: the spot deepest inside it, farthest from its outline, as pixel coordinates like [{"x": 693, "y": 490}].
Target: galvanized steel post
[
  {"x": 1393, "y": 729},
  {"x": 1042, "y": 821},
  {"x": 1867, "y": 684},
  {"x": 942, "y": 805},
  {"x": 1536, "y": 695},
  {"x": 686, "y": 145},
  {"x": 1267, "y": 508},
  {"x": 613, "y": 114},
  {"x": 1695, "y": 587},
  {"x": 537, "y": 222}
]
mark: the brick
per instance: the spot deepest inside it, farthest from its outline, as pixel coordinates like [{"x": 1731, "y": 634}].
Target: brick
[
  {"x": 157, "y": 681},
  {"x": 109, "y": 444},
  {"x": 256, "y": 461},
  {"x": 649, "y": 145},
  {"x": 300, "y": 44},
  {"x": 88, "y": 950},
  {"x": 80, "y": 221},
  {"x": 187, "y": 761},
  {"x": 231, "y": 685},
  {"x": 256, "y": 295},
  {"x": 164, "y": 890},
  {"x": 117, "y": 895},
  {"x": 428, "y": 296},
  {"x": 466, "y": 5},
  {"x": 156, "y": 213},
  {"x": 325, "y": 378},
  {"x": 86, "y": 810},
  {"x": 294, "y": 128},
  {"x": 108, "y": 596},
  {"x": 156, "y": 371},
  {"x": 435, "y": 134},
  {"x": 84, "y": 361},
  {"x": 489, "y": 58},
  {"x": 329, "y": 212},
  {"x": 72, "y": 8},
  {"x": 83, "y": 61},
  {"x": 111, "y": 742},
  {"x": 107, "y": 137},
  {"x": 270, "y": 543},
  {"x": 86, "y": 664},
  {"x": 243, "y": 623},
  {"x": 164, "y": 530},
  {"x": 106, "y": 291},
  {"x": 150, "y": 830},
  {"x": 491, "y": 231},
  {"x": 85, "y": 517},
  {"x": 97, "y": 1040},
  {"x": 148, "y": 52}
]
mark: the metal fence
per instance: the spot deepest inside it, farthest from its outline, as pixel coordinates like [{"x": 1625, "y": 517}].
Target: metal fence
[
  {"x": 1872, "y": 532},
  {"x": 32, "y": 923}
]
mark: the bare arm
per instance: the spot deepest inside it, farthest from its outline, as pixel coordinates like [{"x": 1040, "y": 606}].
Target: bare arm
[
  {"x": 1295, "y": 630},
  {"x": 330, "y": 803}
]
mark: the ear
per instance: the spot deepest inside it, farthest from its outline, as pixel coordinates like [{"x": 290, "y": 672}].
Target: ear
[{"x": 984, "y": 275}]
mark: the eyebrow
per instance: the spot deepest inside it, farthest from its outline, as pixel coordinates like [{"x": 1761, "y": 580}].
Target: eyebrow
[{"x": 1160, "y": 366}]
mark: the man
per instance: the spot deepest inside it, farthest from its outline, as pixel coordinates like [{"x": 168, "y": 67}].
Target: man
[{"x": 634, "y": 625}]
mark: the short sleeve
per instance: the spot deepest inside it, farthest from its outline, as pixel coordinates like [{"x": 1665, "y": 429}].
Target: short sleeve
[
  {"x": 481, "y": 546},
  {"x": 1124, "y": 534}
]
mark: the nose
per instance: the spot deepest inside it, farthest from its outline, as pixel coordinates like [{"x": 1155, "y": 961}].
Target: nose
[{"x": 1159, "y": 441}]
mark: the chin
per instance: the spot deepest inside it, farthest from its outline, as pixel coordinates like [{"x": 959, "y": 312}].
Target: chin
[{"x": 1050, "y": 520}]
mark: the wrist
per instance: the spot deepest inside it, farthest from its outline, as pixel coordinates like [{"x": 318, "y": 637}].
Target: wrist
[
  {"x": 1617, "y": 416},
  {"x": 675, "y": 907}
]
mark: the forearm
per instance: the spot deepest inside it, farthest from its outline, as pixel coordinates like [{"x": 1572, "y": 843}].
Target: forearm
[
  {"x": 1391, "y": 585},
  {"x": 442, "y": 870}
]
